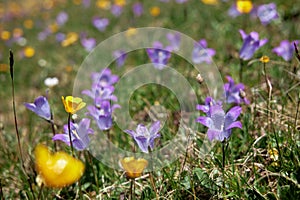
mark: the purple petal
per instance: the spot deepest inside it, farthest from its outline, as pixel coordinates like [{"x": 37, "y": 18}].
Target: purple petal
[
  {"x": 142, "y": 142},
  {"x": 206, "y": 121},
  {"x": 130, "y": 132},
  {"x": 154, "y": 128},
  {"x": 236, "y": 124},
  {"x": 233, "y": 113},
  {"x": 213, "y": 134},
  {"x": 152, "y": 139},
  {"x": 62, "y": 137}
]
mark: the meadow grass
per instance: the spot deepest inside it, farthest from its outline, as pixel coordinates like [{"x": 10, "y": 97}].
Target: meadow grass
[{"x": 261, "y": 159}]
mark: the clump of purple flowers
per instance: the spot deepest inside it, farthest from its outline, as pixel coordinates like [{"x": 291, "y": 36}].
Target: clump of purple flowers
[
  {"x": 41, "y": 107},
  {"x": 285, "y": 49},
  {"x": 251, "y": 44},
  {"x": 79, "y": 134},
  {"x": 267, "y": 13},
  {"x": 201, "y": 53},
  {"x": 101, "y": 93},
  {"x": 234, "y": 93},
  {"x": 145, "y": 138},
  {"x": 159, "y": 55},
  {"x": 219, "y": 122}
]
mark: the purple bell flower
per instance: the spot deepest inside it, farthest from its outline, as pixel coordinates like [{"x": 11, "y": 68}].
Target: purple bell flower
[
  {"x": 144, "y": 137},
  {"x": 251, "y": 44},
  {"x": 116, "y": 10},
  {"x": 201, "y": 53},
  {"x": 137, "y": 9},
  {"x": 40, "y": 107},
  {"x": 88, "y": 43},
  {"x": 159, "y": 55},
  {"x": 104, "y": 78},
  {"x": 79, "y": 134},
  {"x": 174, "y": 40},
  {"x": 267, "y": 13},
  {"x": 102, "y": 115},
  {"x": 285, "y": 49},
  {"x": 233, "y": 92},
  {"x": 62, "y": 18},
  {"x": 220, "y": 123},
  {"x": 100, "y": 23},
  {"x": 120, "y": 57}
]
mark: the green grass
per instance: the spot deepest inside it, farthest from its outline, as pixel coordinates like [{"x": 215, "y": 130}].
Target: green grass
[{"x": 251, "y": 170}]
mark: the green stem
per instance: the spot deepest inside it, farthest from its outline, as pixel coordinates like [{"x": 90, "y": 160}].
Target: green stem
[
  {"x": 241, "y": 70},
  {"x": 223, "y": 165},
  {"x": 11, "y": 64},
  {"x": 69, "y": 127},
  {"x": 53, "y": 130}
]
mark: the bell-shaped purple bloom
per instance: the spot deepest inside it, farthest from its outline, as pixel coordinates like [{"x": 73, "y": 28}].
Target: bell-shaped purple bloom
[
  {"x": 104, "y": 78},
  {"x": 88, "y": 43},
  {"x": 174, "y": 39},
  {"x": 40, "y": 107},
  {"x": 100, "y": 23},
  {"x": 285, "y": 49},
  {"x": 159, "y": 55},
  {"x": 251, "y": 44},
  {"x": 102, "y": 115},
  {"x": 99, "y": 94},
  {"x": 220, "y": 123},
  {"x": 267, "y": 13},
  {"x": 233, "y": 92},
  {"x": 79, "y": 134},
  {"x": 137, "y": 9},
  {"x": 60, "y": 37},
  {"x": 116, "y": 10},
  {"x": 62, "y": 18},
  {"x": 206, "y": 108},
  {"x": 144, "y": 137},
  {"x": 201, "y": 53},
  {"x": 120, "y": 57}
]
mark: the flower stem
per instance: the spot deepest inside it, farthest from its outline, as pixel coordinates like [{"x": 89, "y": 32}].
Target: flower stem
[
  {"x": 151, "y": 175},
  {"x": 53, "y": 130},
  {"x": 269, "y": 87},
  {"x": 241, "y": 70},
  {"x": 132, "y": 186},
  {"x": 69, "y": 128},
  {"x": 223, "y": 165},
  {"x": 41, "y": 191},
  {"x": 11, "y": 64}
]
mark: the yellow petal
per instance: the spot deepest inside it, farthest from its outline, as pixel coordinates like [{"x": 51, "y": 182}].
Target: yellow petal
[
  {"x": 134, "y": 167},
  {"x": 57, "y": 170}
]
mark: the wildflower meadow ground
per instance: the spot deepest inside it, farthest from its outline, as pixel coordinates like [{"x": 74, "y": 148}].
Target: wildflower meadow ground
[{"x": 138, "y": 99}]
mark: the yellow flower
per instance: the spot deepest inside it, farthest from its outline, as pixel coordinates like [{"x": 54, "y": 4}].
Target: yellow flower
[
  {"x": 71, "y": 38},
  {"x": 57, "y": 170},
  {"x": 120, "y": 2},
  {"x": 133, "y": 167},
  {"x": 130, "y": 32},
  {"x": 210, "y": 2},
  {"x": 155, "y": 11},
  {"x": 4, "y": 67},
  {"x": 53, "y": 27},
  {"x": 244, "y": 6},
  {"x": 28, "y": 23},
  {"x": 77, "y": 2},
  {"x": 103, "y": 4},
  {"x": 72, "y": 104},
  {"x": 17, "y": 32},
  {"x": 273, "y": 153},
  {"x": 264, "y": 59},
  {"x": 5, "y": 35},
  {"x": 29, "y": 52}
]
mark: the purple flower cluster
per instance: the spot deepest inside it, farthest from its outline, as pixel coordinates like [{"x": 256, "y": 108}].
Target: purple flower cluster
[
  {"x": 79, "y": 134},
  {"x": 159, "y": 55},
  {"x": 251, "y": 44},
  {"x": 219, "y": 123},
  {"x": 267, "y": 13},
  {"x": 201, "y": 53},
  {"x": 285, "y": 49},
  {"x": 145, "y": 138},
  {"x": 101, "y": 93},
  {"x": 234, "y": 92}
]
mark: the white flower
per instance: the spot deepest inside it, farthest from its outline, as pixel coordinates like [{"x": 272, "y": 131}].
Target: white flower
[{"x": 51, "y": 82}]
